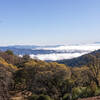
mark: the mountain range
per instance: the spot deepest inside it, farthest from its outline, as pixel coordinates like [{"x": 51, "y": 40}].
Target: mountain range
[
  {"x": 82, "y": 60},
  {"x": 52, "y": 52},
  {"x": 23, "y": 78}
]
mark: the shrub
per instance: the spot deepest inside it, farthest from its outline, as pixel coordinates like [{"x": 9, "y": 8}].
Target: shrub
[
  {"x": 97, "y": 91},
  {"x": 86, "y": 92},
  {"x": 82, "y": 92},
  {"x": 9, "y": 52},
  {"x": 44, "y": 97},
  {"x": 33, "y": 97},
  {"x": 67, "y": 96},
  {"x": 76, "y": 93}
]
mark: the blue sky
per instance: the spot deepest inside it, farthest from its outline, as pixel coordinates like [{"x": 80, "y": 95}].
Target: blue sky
[{"x": 45, "y": 22}]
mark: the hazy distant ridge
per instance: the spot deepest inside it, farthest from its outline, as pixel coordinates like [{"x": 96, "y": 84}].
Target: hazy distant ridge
[{"x": 53, "y": 52}]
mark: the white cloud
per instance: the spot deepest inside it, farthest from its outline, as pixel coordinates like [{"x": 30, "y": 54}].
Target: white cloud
[
  {"x": 89, "y": 47},
  {"x": 82, "y": 49},
  {"x": 57, "y": 56},
  {"x": 66, "y": 52}
]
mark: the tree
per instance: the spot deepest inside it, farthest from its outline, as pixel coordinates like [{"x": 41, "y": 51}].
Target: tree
[
  {"x": 9, "y": 52},
  {"x": 94, "y": 68},
  {"x": 44, "y": 97},
  {"x": 33, "y": 97},
  {"x": 42, "y": 78}
]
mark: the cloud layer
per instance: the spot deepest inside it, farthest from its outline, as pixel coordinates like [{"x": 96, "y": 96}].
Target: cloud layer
[
  {"x": 66, "y": 52},
  {"x": 57, "y": 56}
]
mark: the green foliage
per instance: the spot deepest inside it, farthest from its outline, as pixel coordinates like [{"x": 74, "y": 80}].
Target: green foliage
[
  {"x": 81, "y": 61},
  {"x": 78, "y": 62},
  {"x": 97, "y": 91},
  {"x": 80, "y": 76},
  {"x": 84, "y": 92},
  {"x": 46, "y": 78},
  {"x": 6, "y": 78},
  {"x": 33, "y": 97},
  {"x": 9, "y": 52},
  {"x": 50, "y": 78},
  {"x": 67, "y": 97},
  {"x": 26, "y": 58},
  {"x": 87, "y": 92},
  {"x": 76, "y": 92},
  {"x": 43, "y": 97}
]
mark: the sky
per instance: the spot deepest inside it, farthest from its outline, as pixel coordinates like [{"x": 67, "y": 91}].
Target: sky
[{"x": 49, "y": 22}]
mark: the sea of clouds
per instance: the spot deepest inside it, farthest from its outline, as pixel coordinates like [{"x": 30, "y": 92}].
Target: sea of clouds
[{"x": 66, "y": 52}]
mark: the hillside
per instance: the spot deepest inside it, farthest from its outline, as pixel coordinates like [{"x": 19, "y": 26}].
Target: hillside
[
  {"x": 82, "y": 60},
  {"x": 29, "y": 79},
  {"x": 6, "y": 78}
]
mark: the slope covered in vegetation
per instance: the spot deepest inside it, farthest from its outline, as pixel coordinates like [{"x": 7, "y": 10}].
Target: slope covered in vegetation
[
  {"x": 30, "y": 79},
  {"x": 81, "y": 61},
  {"x": 6, "y": 78}
]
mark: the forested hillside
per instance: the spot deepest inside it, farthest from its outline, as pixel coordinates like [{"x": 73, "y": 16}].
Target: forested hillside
[
  {"x": 29, "y": 79},
  {"x": 81, "y": 61}
]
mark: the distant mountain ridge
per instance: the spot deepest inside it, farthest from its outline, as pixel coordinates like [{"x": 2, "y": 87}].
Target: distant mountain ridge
[
  {"x": 82, "y": 60},
  {"x": 30, "y": 46},
  {"x": 52, "y": 52}
]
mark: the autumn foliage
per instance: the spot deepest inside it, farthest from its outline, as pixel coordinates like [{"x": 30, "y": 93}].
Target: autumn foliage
[{"x": 40, "y": 80}]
